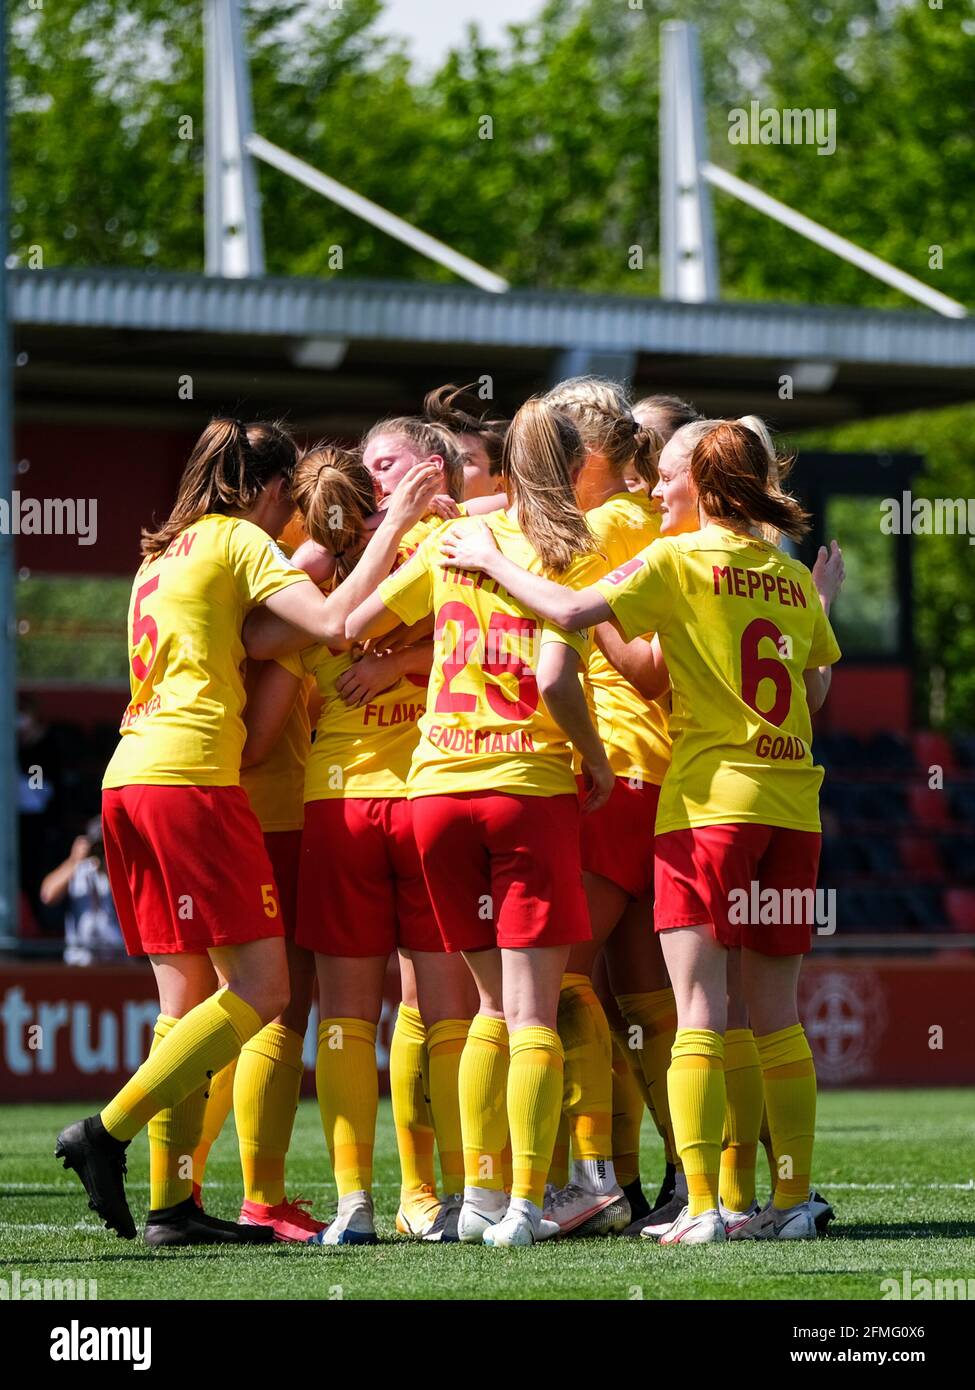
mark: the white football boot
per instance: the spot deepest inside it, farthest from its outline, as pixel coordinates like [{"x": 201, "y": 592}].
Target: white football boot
[
  {"x": 733, "y": 1219},
  {"x": 354, "y": 1225},
  {"x": 706, "y": 1229},
  {"x": 520, "y": 1225},
  {"x": 444, "y": 1228},
  {"x": 795, "y": 1223}
]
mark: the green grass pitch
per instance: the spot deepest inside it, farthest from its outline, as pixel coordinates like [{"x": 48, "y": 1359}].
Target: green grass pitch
[{"x": 897, "y": 1166}]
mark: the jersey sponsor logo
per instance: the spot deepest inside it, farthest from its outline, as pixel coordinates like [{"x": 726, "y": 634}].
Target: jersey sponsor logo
[
  {"x": 480, "y": 740},
  {"x": 624, "y": 571},
  {"x": 736, "y": 582},
  {"x": 782, "y": 748}
]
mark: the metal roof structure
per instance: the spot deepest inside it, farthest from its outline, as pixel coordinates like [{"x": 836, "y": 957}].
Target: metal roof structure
[{"x": 332, "y": 351}]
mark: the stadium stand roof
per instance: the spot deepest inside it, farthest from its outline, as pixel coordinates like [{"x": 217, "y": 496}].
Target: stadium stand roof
[{"x": 338, "y": 352}]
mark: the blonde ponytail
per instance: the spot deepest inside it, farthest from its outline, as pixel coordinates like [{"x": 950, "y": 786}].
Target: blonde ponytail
[{"x": 543, "y": 452}]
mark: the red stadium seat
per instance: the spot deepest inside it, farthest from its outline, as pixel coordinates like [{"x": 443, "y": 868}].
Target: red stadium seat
[
  {"x": 960, "y": 906},
  {"x": 920, "y": 857},
  {"x": 929, "y": 807},
  {"x": 933, "y": 750}
]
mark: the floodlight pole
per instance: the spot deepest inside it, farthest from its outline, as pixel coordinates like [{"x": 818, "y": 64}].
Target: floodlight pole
[
  {"x": 234, "y": 237},
  {"x": 234, "y": 242},
  {"x": 9, "y": 771},
  {"x": 688, "y": 249}
]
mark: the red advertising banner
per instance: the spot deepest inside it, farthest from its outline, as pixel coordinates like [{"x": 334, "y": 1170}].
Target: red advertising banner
[{"x": 78, "y": 1034}]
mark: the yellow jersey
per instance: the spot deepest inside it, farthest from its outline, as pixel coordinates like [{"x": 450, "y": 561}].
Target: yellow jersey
[
  {"x": 633, "y": 730},
  {"x": 359, "y": 750},
  {"x": 485, "y": 726},
  {"x": 183, "y": 724},
  {"x": 739, "y": 622},
  {"x": 418, "y": 533}
]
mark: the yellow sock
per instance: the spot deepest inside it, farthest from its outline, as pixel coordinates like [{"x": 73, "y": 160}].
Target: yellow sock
[
  {"x": 507, "y": 1168},
  {"x": 587, "y": 1096},
  {"x": 627, "y": 1117},
  {"x": 265, "y": 1103},
  {"x": 445, "y": 1044},
  {"x": 558, "y": 1169},
  {"x": 790, "y": 1095},
  {"x": 655, "y": 1014},
  {"x": 745, "y": 1098},
  {"x": 347, "y": 1081},
  {"x": 697, "y": 1103},
  {"x": 534, "y": 1108},
  {"x": 409, "y": 1089},
  {"x": 173, "y": 1135},
  {"x": 482, "y": 1083},
  {"x": 220, "y": 1099},
  {"x": 202, "y": 1043},
  {"x": 765, "y": 1139}
]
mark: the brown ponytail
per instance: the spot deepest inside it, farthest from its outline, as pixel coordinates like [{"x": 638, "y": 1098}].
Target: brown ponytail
[
  {"x": 335, "y": 495},
  {"x": 455, "y": 408},
  {"x": 543, "y": 451},
  {"x": 731, "y": 471},
  {"x": 229, "y": 467}
]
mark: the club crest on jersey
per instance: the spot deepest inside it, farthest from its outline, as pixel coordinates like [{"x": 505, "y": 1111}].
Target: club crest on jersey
[{"x": 624, "y": 571}]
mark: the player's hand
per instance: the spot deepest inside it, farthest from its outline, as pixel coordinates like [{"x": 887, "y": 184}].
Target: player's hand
[
  {"x": 598, "y": 779},
  {"x": 317, "y": 562},
  {"x": 469, "y": 547},
  {"x": 412, "y": 498},
  {"x": 444, "y": 506},
  {"x": 828, "y": 573},
  {"x": 368, "y": 677}
]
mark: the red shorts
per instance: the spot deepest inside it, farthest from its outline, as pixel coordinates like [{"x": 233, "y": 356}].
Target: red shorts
[
  {"x": 716, "y": 874},
  {"x": 188, "y": 869},
  {"x": 503, "y": 870},
  {"x": 617, "y": 840},
  {"x": 284, "y": 851},
  {"x": 361, "y": 890}
]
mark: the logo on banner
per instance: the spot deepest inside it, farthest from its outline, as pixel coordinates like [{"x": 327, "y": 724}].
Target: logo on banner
[{"x": 844, "y": 1017}]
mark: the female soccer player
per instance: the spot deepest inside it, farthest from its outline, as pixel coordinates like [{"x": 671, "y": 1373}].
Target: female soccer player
[
  {"x": 480, "y": 437},
  {"x": 190, "y": 875},
  {"x": 264, "y": 1086},
  {"x": 496, "y": 815},
  {"x": 617, "y": 841},
  {"x": 361, "y": 888},
  {"x": 749, "y": 650}
]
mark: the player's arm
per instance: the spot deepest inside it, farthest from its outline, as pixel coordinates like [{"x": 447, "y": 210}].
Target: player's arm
[
  {"x": 269, "y": 704},
  {"x": 375, "y": 672},
  {"x": 474, "y": 548},
  {"x": 641, "y": 662},
  {"x": 828, "y": 574},
  {"x": 559, "y": 686},
  {"x": 316, "y": 618},
  {"x": 817, "y": 681}
]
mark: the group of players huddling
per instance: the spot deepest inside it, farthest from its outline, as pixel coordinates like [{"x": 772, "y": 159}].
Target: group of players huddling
[{"x": 560, "y": 674}]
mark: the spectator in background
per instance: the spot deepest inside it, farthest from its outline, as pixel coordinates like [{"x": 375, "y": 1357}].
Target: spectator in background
[
  {"x": 38, "y": 769},
  {"x": 91, "y": 928}
]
